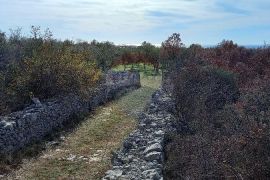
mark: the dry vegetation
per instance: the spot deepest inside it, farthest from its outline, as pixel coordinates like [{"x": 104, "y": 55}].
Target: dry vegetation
[
  {"x": 43, "y": 67},
  {"x": 223, "y": 122},
  {"x": 222, "y": 98}
]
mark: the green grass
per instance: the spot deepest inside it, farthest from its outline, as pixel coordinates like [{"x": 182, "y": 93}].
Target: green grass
[
  {"x": 150, "y": 81},
  {"x": 91, "y": 145},
  {"x": 146, "y": 70},
  {"x": 137, "y": 100},
  {"x": 92, "y": 142}
]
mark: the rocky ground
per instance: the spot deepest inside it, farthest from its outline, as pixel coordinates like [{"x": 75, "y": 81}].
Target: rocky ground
[{"x": 141, "y": 155}]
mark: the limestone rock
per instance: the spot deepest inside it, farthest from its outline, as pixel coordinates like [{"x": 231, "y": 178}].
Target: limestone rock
[
  {"x": 151, "y": 174},
  {"x": 141, "y": 156},
  {"x": 154, "y": 147},
  {"x": 153, "y": 156},
  {"x": 113, "y": 174}
]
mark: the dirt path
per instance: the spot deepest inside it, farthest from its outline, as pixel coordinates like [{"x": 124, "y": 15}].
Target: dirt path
[{"x": 85, "y": 153}]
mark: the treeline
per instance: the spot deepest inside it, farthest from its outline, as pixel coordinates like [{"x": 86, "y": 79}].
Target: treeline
[
  {"x": 250, "y": 65},
  {"x": 38, "y": 65},
  {"x": 146, "y": 54},
  {"x": 223, "y": 109},
  {"x": 104, "y": 54}
]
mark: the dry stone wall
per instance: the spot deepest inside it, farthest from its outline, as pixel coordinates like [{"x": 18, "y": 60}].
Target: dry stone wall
[
  {"x": 141, "y": 155},
  {"x": 34, "y": 122}
]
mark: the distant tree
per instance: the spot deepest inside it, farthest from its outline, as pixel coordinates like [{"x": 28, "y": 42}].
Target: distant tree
[
  {"x": 170, "y": 52},
  {"x": 15, "y": 45},
  {"x": 35, "y": 31},
  {"x": 149, "y": 54},
  {"x": 104, "y": 53},
  {"x": 15, "y": 35},
  {"x": 228, "y": 51}
]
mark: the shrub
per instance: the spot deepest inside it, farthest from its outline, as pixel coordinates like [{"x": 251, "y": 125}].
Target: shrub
[
  {"x": 201, "y": 156},
  {"x": 199, "y": 91},
  {"x": 51, "y": 71},
  {"x": 230, "y": 141},
  {"x": 257, "y": 103}
]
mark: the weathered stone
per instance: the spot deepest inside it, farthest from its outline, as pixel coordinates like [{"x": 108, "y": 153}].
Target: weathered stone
[
  {"x": 154, "y": 147},
  {"x": 123, "y": 177},
  {"x": 2, "y": 124},
  {"x": 153, "y": 156},
  {"x": 127, "y": 145},
  {"x": 159, "y": 133},
  {"x": 36, "y": 121},
  {"x": 144, "y": 158},
  {"x": 151, "y": 174},
  {"x": 113, "y": 174}
]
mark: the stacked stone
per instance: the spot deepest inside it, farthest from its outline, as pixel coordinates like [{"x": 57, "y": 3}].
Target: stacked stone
[
  {"x": 141, "y": 156},
  {"x": 34, "y": 122}
]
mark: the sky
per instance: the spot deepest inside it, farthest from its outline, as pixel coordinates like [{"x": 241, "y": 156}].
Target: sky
[{"x": 206, "y": 22}]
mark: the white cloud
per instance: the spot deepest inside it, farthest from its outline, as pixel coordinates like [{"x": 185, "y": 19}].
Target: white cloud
[{"x": 133, "y": 17}]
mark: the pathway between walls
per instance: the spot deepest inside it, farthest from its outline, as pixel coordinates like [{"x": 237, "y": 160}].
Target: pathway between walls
[{"x": 85, "y": 153}]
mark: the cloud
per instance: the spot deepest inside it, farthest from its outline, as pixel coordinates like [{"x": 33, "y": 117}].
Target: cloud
[
  {"x": 230, "y": 8},
  {"x": 130, "y": 21}
]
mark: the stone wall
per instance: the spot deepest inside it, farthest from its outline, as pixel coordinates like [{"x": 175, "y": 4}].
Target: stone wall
[
  {"x": 141, "y": 156},
  {"x": 34, "y": 122}
]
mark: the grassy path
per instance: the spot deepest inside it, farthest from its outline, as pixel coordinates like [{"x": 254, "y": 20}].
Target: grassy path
[{"x": 86, "y": 152}]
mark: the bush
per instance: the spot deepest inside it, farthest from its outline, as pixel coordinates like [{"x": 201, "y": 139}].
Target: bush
[
  {"x": 201, "y": 156},
  {"x": 230, "y": 141},
  {"x": 52, "y": 70},
  {"x": 199, "y": 91}
]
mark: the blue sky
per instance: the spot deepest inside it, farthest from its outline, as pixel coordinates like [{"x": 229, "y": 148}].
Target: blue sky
[{"x": 207, "y": 22}]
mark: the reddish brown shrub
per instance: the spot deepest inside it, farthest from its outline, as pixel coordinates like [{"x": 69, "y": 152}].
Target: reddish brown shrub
[{"x": 229, "y": 140}]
